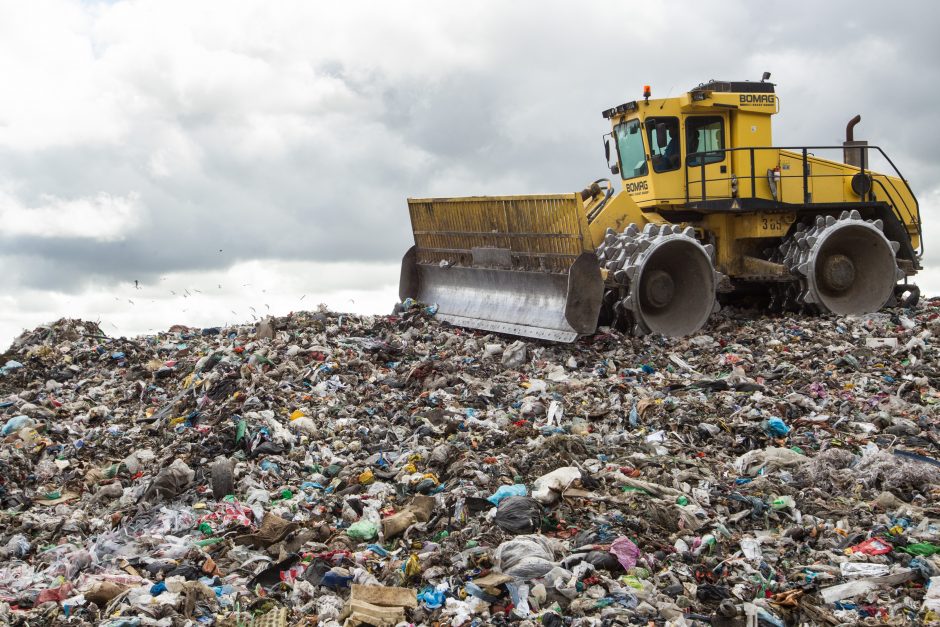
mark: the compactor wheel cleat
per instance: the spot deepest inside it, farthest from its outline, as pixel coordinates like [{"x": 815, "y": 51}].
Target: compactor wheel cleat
[
  {"x": 844, "y": 265},
  {"x": 666, "y": 278}
]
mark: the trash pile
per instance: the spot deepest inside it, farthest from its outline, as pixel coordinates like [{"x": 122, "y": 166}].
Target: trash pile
[{"x": 329, "y": 469}]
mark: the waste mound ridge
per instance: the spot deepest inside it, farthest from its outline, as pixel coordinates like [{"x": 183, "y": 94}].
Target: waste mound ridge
[{"x": 331, "y": 469}]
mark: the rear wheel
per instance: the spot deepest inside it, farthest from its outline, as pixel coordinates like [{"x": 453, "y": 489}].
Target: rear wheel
[{"x": 843, "y": 265}]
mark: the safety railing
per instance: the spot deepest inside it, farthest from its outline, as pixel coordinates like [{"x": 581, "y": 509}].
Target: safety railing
[{"x": 913, "y": 213}]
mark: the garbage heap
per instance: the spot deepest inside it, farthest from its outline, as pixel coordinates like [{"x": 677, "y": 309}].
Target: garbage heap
[{"x": 328, "y": 469}]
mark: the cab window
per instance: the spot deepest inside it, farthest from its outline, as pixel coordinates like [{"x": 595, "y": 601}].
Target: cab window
[
  {"x": 705, "y": 134},
  {"x": 666, "y": 157},
  {"x": 630, "y": 148}
]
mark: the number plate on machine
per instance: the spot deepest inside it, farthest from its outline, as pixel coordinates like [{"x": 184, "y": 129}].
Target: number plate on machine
[{"x": 765, "y": 225}]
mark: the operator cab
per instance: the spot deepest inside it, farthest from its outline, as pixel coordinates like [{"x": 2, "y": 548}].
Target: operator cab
[{"x": 673, "y": 150}]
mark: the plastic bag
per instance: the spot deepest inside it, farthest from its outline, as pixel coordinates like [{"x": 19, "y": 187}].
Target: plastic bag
[
  {"x": 627, "y": 553},
  {"x": 364, "y": 530},
  {"x": 603, "y": 560},
  {"x": 520, "y": 598},
  {"x": 515, "y": 354},
  {"x": 548, "y": 488},
  {"x": 17, "y": 546},
  {"x": 753, "y": 462},
  {"x": 873, "y": 546},
  {"x": 921, "y": 548},
  {"x": 775, "y": 427},
  {"x": 518, "y": 514},
  {"x": 16, "y": 423},
  {"x": 525, "y": 557},
  {"x": 505, "y": 491},
  {"x": 170, "y": 482},
  {"x": 851, "y": 570},
  {"x": 432, "y": 598}
]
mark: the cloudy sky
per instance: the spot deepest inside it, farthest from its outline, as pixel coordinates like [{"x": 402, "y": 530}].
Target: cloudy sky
[{"x": 169, "y": 162}]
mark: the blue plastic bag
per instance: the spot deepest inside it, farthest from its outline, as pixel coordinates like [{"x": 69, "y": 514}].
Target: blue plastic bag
[
  {"x": 505, "y": 491},
  {"x": 431, "y": 598},
  {"x": 14, "y": 424},
  {"x": 775, "y": 427}
]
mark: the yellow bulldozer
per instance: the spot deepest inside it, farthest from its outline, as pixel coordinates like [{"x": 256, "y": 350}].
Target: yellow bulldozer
[{"x": 709, "y": 210}]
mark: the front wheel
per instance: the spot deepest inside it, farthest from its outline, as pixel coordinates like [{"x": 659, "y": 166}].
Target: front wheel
[{"x": 664, "y": 280}]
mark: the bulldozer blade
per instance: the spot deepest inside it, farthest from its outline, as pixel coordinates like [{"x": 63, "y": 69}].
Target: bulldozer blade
[
  {"x": 520, "y": 265},
  {"x": 539, "y": 305}
]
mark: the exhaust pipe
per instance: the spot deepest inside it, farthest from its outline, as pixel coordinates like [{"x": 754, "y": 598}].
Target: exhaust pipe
[
  {"x": 854, "y": 153},
  {"x": 850, "y": 128}
]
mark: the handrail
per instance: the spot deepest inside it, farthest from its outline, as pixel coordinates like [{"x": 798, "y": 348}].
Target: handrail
[
  {"x": 895, "y": 189},
  {"x": 920, "y": 231},
  {"x": 804, "y": 150}
]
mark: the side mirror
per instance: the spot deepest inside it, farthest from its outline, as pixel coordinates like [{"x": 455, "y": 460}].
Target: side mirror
[
  {"x": 661, "y": 135},
  {"x": 615, "y": 169},
  {"x": 607, "y": 149}
]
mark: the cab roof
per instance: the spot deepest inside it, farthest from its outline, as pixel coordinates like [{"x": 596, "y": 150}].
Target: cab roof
[{"x": 742, "y": 87}]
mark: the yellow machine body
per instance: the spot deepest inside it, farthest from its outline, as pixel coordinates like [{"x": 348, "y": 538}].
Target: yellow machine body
[
  {"x": 746, "y": 139},
  {"x": 702, "y": 165}
]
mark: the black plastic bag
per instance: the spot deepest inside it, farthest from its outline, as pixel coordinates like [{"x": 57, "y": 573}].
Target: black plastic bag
[{"x": 519, "y": 514}]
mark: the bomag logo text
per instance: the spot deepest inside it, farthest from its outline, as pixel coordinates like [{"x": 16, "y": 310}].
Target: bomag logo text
[
  {"x": 638, "y": 187},
  {"x": 761, "y": 100}
]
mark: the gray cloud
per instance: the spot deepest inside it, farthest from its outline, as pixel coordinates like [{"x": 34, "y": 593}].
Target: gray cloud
[{"x": 298, "y": 135}]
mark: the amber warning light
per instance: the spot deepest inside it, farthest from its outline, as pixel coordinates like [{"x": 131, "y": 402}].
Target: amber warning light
[{"x": 646, "y": 91}]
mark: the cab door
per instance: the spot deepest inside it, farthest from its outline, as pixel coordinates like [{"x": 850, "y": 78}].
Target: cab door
[
  {"x": 706, "y": 159},
  {"x": 664, "y": 138}
]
